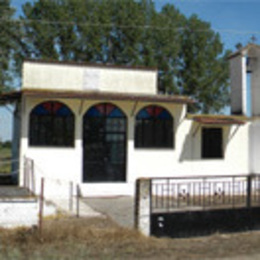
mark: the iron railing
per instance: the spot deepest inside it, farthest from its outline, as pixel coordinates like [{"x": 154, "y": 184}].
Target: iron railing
[{"x": 204, "y": 192}]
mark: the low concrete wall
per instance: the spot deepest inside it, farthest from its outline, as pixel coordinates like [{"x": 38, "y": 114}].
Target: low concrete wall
[{"x": 21, "y": 212}]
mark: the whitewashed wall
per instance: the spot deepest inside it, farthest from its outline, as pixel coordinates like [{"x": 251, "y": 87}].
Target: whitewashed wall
[
  {"x": 245, "y": 87},
  {"x": 186, "y": 158},
  {"x": 255, "y": 146},
  {"x": 255, "y": 82},
  {"x": 238, "y": 81},
  {"x": 66, "y": 164},
  {"x": 78, "y": 77}
]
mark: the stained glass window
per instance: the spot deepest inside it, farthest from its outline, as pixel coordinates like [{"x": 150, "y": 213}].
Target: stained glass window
[
  {"x": 51, "y": 124},
  {"x": 154, "y": 128},
  {"x": 104, "y": 142},
  {"x": 105, "y": 110}
]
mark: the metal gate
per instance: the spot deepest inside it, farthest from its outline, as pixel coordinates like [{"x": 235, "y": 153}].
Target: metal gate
[{"x": 195, "y": 206}]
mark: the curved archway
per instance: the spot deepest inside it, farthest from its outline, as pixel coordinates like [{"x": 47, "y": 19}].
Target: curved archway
[
  {"x": 104, "y": 142},
  {"x": 52, "y": 123},
  {"x": 154, "y": 128}
]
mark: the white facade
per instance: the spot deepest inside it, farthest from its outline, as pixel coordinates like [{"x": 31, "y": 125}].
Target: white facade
[
  {"x": 66, "y": 163},
  {"x": 75, "y": 77},
  {"x": 184, "y": 159}
]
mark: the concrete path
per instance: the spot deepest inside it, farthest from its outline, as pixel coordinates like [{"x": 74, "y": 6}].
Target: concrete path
[
  {"x": 120, "y": 209},
  {"x": 84, "y": 209}
]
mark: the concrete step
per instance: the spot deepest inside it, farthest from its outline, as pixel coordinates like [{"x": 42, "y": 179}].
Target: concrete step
[{"x": 14, "y": 192}]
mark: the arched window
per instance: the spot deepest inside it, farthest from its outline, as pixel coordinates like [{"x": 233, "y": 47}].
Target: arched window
[
  {"x": 104, "y": 142},
  {"x": 154, "y": 128},
  {"x": 51, "y": 124}
]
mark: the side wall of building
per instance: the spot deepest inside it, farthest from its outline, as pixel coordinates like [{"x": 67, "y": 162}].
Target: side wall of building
[
  {"x": 238, "y": 85},
  {"x": 254, "y": 146},
  {"x": 255, "y": 84}
]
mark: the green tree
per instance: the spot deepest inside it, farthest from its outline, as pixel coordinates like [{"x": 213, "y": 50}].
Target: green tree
[
  {"x": 203, "y": 69},
  {"x": 8, "y": 42},
  {"x": 188, "y": 54}
]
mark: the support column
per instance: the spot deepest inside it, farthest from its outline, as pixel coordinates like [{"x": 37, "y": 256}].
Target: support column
[{"x": 143, "y": 206}]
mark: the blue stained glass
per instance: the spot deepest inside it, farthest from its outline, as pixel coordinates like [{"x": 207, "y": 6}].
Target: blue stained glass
[
  {"x": 52, "y": 108},
  {"x": 116, "y": 113},
  {"x": 106, "y": 110},
  {"x": 164, "y": 115},
  {"x": 143, "y": 114},
  {"x": 40, "y": 110},
  {"x": 93, "y": 112},
  {"x": 63, "y": 111}
]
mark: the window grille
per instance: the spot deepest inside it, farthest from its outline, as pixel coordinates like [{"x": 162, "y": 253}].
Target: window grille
[{"x": 51, "y": 124}]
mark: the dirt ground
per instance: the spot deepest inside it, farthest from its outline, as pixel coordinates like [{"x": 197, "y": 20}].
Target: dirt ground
[{"x": 102, "y": 238}]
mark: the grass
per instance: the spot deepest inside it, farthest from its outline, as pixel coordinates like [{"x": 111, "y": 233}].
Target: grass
[
  {"x": 101, "y": 238},
  {"x": 5, "y": 160}
]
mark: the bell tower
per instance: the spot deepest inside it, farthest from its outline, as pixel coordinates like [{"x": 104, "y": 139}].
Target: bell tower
[{"x": 245, "y": 81}]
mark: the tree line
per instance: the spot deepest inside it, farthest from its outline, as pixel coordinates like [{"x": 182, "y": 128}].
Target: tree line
[{"x": 189, "y": 55}]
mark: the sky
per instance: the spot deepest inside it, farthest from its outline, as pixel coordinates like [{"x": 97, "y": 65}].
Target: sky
[{"x": 235, "y": 20}]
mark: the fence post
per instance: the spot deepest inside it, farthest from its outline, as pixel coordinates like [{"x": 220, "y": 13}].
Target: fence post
[
  {"x": 143, "y": 206},
  {"x": 71, "y": 197},
  {"x": 41, "y": 205},
  {"x": 25, "y": 172},
  {"x": 32, "y": 177},
  {"x": 78, "y": 197},
  {"x": 249, "y": 191}
]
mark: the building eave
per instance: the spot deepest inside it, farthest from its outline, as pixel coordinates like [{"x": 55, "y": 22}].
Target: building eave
[
  {"x": 92, "y": 65},
  {"x": 106, "y": 96},
  {"x": 14, "y": 96},
  {"x": 219, "y": 120}
]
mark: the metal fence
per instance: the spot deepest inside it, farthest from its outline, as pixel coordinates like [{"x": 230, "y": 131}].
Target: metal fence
[{"x": 204, "y": 192}]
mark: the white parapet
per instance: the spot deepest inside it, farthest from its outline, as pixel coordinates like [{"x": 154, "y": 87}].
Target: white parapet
[{"x": 79, "y": 77}]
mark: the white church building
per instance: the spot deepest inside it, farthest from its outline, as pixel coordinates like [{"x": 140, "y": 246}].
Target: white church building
[{"x": 103, "y": 127}]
